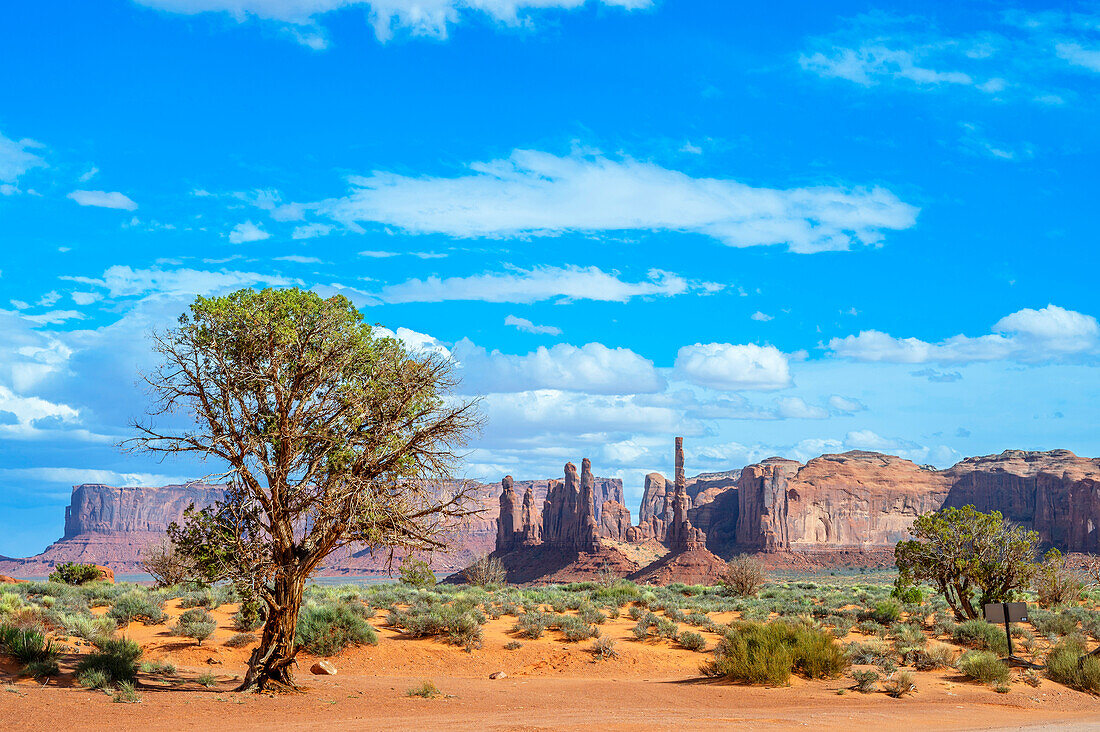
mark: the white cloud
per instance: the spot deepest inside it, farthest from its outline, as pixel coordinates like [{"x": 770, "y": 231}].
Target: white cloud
[
  {"x": 298, "y": 259},
  {"x": 592, "y": 368},
  {"x": 54, "y": 317},
  {"x": 527, "y": 326},
  {"x": 846, "y": 405},
  {"x": 1028, "y": 335},
  {"x": 125, "y": 281},
  {"x": 103, "y": 199},
  {"x": 870, "y": 64},
  {"x": 533, "y": 193},
  {"x": 541, "y": 283},
  {"x": 16, "y": 159},
  {"x": 89, "y": 174},
  {"x": 29, "y": 417},
  {"x": 246, "y": 232},
  {"x": 730, "y": 367},
  {"x": 85, "y": 298},
  {"x": 796, "y": 408},
  {"x": 77, "y": 476},
  {"x": 300, "y": 19},
  {"x": 374, "y": 254},
  {"x": 762, "y": 317},
  {"x": 1078, "y": 55},
  {"x": 310, "y": 231}
]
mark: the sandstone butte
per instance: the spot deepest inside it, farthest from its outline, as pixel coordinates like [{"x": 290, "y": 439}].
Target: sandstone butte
[{"x": 846, "y": 509}]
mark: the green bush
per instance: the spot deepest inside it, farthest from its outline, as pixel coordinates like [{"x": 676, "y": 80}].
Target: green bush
[
  {"x": 866, "y": 681},
  {"x": 416, "y": 573},
  {"x": 72, "y": 573},
  {"x": 195, "y": 623},
  {"x": 249, "y": 616},
  {"x": 982, "y": 636},
  {"x": 531, "y": 625},
  {"x": 325, "y": 630},
  {"x": 137, "y": 605},
  {"x": 932, "y": 656},
  {"x": 758, "y": 653},
  {"x": 239, "y": 640},
  {"x": 886, "y": 612},
  {"x": 115, "y": 658},
  {"x": 1052, "y": 623},
  {"x": 1067, "y": 663},
  {"x": 691, "y": 640},
  {"x": 574, "y": 629},
  {"x": 983, "y": 666},
  {"x": 26, "y": 646}
]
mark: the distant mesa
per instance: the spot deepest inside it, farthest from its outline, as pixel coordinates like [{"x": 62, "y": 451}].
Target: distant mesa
[{"x": 835, "y": 510}]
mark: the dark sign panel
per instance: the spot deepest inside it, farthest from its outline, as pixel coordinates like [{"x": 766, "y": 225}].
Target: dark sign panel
[{"x": 995, "y": 612}]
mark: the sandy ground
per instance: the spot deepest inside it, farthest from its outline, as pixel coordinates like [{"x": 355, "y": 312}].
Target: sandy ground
[{"x": 549, "y": 685}]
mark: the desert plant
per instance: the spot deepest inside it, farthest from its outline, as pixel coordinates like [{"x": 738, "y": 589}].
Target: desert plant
[
  {"x": 759, "y": 653},
  {"x": 691, "y": 640},
  {"x": 137, "y": 605},
  {"x": 327, "y": 629},
  {"x": 239, "y": 640},
  {"x": 426, "y": 690},
  {"x": 1067, "y": 663},
  {"x": 574, "y": 629},
  {"x": 115, "y": 658},
  {"x": 932, "y": 656},
  {"x": 513, "y": 646},
  {"x": 74, "y": 573},
  {"x": 1054, "y": 583},
  {"x": 158, "y": 668},
  {"x": 487, "y": 571},
  {"x": 1052, "y": 623},
  {"x": 1031, "y": 678},
  {"x": 744, "y": 575},
  {"x": 416, "y": 573},
  {"x": 531, "y": 624},
  {"x": 885, "y": 612},
  {"x": 207, "y": 679},
  {"x": 126, "y": 693},
  {"x": 973, "y": 558},
  {"x": 981, "y": 635},
  {"x": 167, "y": 565},
  {"x": 93, "y": 679},
  {"x": 28, "y": 646},
  {"x": 604, "y": 648},
  {"x": 899, "y": 684},
  {"x": 866, "y": 681},
  {"x": 195, "y": 623},
  {"x": 983, "y": 666}
]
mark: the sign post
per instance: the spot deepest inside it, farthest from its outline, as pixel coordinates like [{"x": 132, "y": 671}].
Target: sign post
[{"x": 1009, "y": 612}]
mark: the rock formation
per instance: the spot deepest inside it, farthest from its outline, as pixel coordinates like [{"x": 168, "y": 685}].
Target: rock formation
[
  {"x": 510, "y": 519},
  {"x": 681, "y": 535},
  {"x": 532, "y": 523},
  {"x": 569, "y": 511},
  {"x": 615, "y": 521}
]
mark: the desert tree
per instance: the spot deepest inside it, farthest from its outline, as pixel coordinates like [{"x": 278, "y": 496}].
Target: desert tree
[
  {"x": 972, "y": 558},
  {"x": 329, "y": 434}
]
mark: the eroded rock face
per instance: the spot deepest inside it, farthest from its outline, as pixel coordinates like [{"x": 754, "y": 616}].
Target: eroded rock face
[
  {"x": 104, "y": 509},
  {"x": 615, "y": 521},
  {"x": 569, "y": 512},
  {"x": 681, "y": 534},
  {"x": 510, "y": 519},
  {"x": 652, "y": 518},
  {"x": 1056, "y": 493}
]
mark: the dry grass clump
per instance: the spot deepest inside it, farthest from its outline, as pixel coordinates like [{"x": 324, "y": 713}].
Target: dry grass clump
[
  {"x": 899, "y": 684},
  {"x": 983, "y": 666},
  {"x": 604, "y": 648},
  {"x": 744, "y": 575}
]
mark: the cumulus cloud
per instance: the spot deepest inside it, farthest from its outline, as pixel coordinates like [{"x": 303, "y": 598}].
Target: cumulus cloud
[
  {"x": 534, "y": 193},
  {"x": 126, "y": 281},
  {"x": 77, "y": 476},
  {"x": 525, "y": 325},
  {"x": 538, "y": 284},
  {"x": 1079, "y": 55},
  {"x": 761, "y": 317},
  {"x": 300, "y": 19},
  {"x": 104, "y": 199},
  {"x": 592, "y": 368},
  {"x": 247, "y": 232},
  {"x": 846, "y": 405},
  {"x": 1028, "y": 335},
  {"x": 796, "y": 408},
  {"x": 730, "y": 367},
  {"x": 310, "y": 231}
]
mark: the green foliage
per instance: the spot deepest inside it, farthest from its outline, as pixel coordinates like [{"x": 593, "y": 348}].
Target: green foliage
[
  {"x": 983, "y": 666},
  {"x": 692, "y": 641},
  {"x": 932, "y": 656},
  {"x": 137, "y": 605},
  {"x": 28, "y": 647},
  {"x": 758, "y": 653},
  {"x": 574, "y": 629},
  {"x": 513, "y": 646},
  {"x": 207, "y": 679},
  {"x": 1067, "y": 663},
  {"x": 325, "y": 630},
  {"x": 416, "y": 573},
  {"x": 249, "y": 616},
  {"x": 426, "y": 690},
  {"x": 885, "y": 612},
  {"x": 1052, "y": 624},
  {"x": 531, "y": 625},
  {"x": 115, "y": 658},
  {"x": 972, "y": 558},
  {"x": 195, "y": 623},
  {"x": 604, "y": 648},
  {"x": 981, "y": 635},
  {"x": 240, "y": 640},
  {"x": 93, "y": 678},
  {"x": 73, "y": 573},
  {"x": 866, "y": 681},
  {"x": 126, "y": 694}
]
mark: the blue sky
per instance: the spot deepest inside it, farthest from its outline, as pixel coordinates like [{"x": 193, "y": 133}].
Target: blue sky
[{"x": 789, "y": 228}]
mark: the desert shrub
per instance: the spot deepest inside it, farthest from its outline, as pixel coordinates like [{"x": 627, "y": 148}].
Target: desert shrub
[
  {"x": 691, "y": 640},
  {"x": 416, "y": 573},
  {"x": 866, "y": 681},
  {"x": 239, "y": 640},
  {"x": 1054, "y": 584},
  {"x": 166, "y": 565},
  {"x": 618, "y": 594},
  {"x": 869, "y": 652},
  {"x": 604, "y": 648},
  {"x": 744, "y": 575},
  {"x": 325, "y": 630},
  {"x": 636, "y": 612},
  {"x": 675, "y": 614},
  {"x": 983, "y": 666},
  {"x": 195, "y": 623},
  {"x": 885, "y": 612},
  {"x": 665, "y": 628},
  {"x": 426, "y": 690},
  {"x": 126, "y": 693},
  {"x": 908, "y": 640},
  {"x": 41, "y": 669},
  {"x": 698, "y": 619},
  {"x": 73, "y": 573},
  {"x": 137, "y": 605},
  {"x": 1052, "y": 624},
  {"x": 942, "y": 624},
  {"x": 115, "y": 658},
  {"x": 981, "y": 635},
  {"x": 574, "y": 629},
  {"x": 591, "y": 615},
  {"x": 93, "y": 679},
  {"x": 11, "y": 604},
  {"x": 159, "y": 668},
  {"x": 513, "y": 646},
  {"x": 488, "y": 571},
  {"x": 207, "y": 679},
  {"x": 1031, "y": 678},
  {"x": 640, "y": 630},
  {"x": 28, "y": 646},
  {"x": 759, "y": 653},
  {"x": 90, "y": 628},
  {"x": 531, "y": 625},
  {"x": 899, "y": 684},
  {"x": 873, "y": 627},
  {"x": 1067, "y": 663},
  {"x": 932, "y": 656}
]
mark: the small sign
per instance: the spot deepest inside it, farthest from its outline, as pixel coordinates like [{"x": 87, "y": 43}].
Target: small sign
[{"x": 995, "y": 612}]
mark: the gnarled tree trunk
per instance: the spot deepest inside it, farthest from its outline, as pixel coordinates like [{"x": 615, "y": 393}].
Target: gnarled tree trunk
[{"x": 269, "y": 668}]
